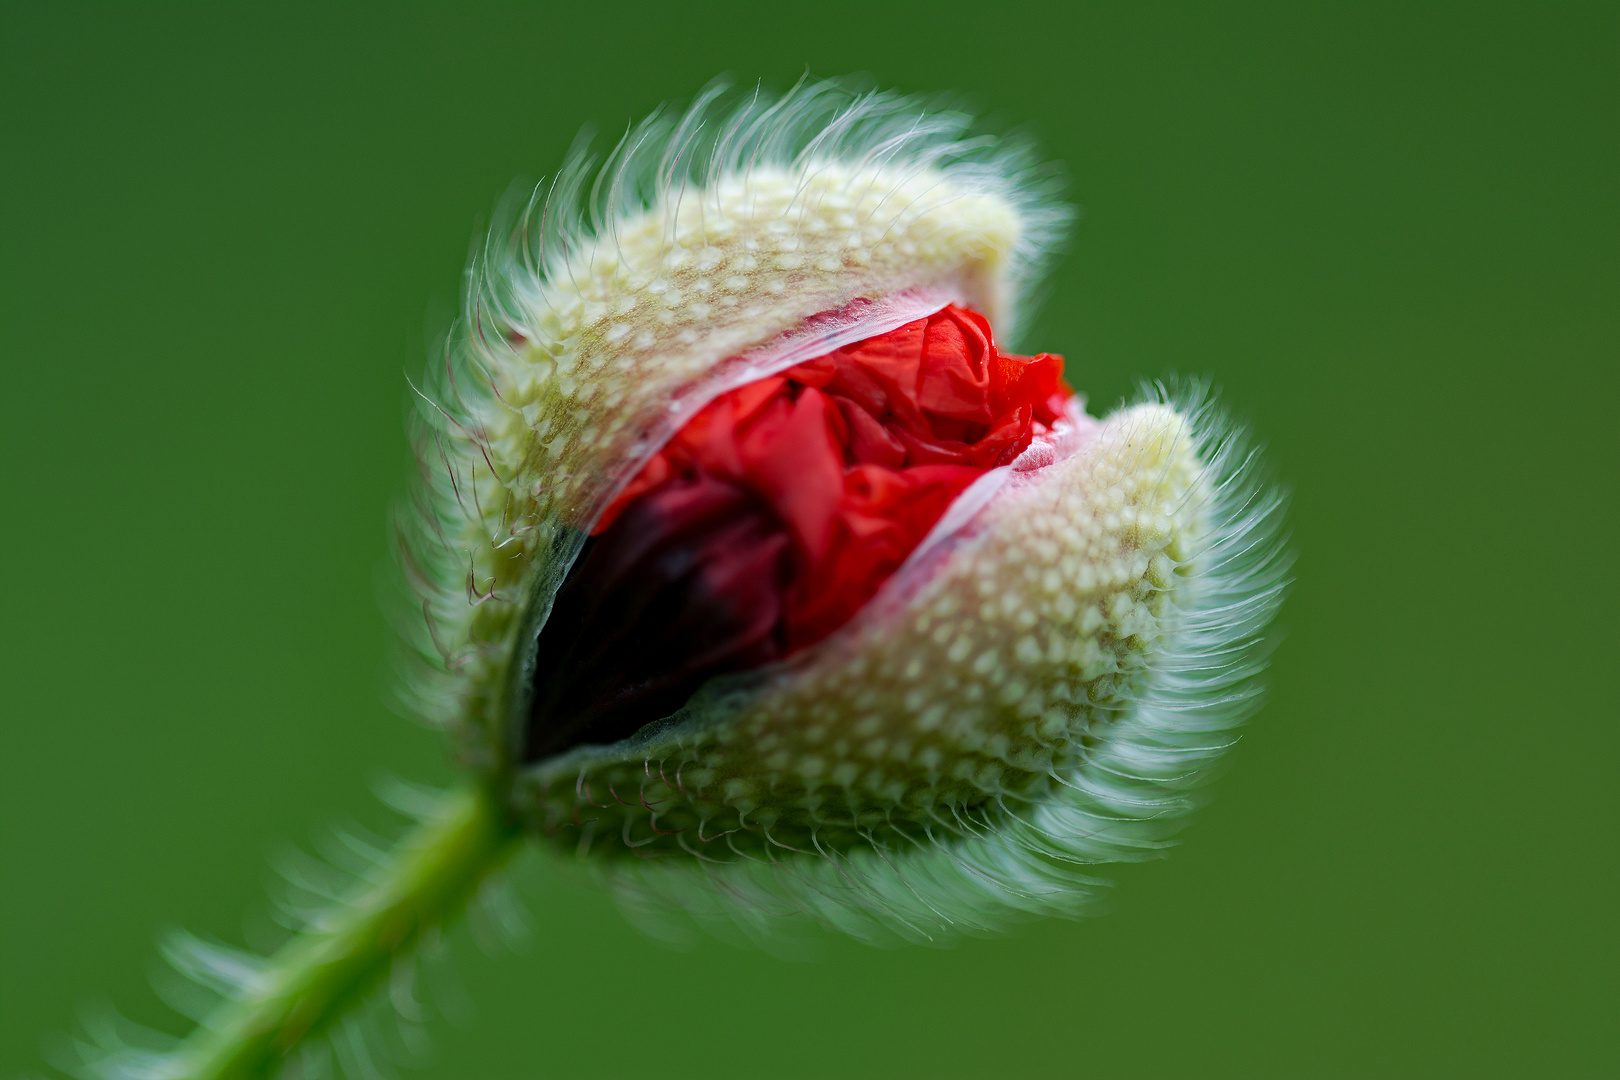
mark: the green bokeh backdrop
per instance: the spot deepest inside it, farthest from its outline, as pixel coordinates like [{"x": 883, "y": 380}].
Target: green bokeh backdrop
[{"x": 1390, "y": 233}]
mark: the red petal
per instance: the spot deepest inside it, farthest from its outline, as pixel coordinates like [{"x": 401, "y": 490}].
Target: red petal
[
  {"x": 869, "y": 441},
  {"x": 858, "y": 454},
  {"x": 955, "y": 382},
  {"x": 792, "y": 460}
]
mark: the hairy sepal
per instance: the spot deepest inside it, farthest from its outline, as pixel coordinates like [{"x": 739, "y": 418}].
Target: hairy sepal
[
  {"x": 595, "y": 324},
  {"x": 1044, "y": 686}
]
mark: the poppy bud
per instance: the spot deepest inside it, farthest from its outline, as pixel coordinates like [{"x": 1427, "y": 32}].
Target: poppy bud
[
  {"x": 750, "y": 567},
  {"x": 755, "y": 570}
]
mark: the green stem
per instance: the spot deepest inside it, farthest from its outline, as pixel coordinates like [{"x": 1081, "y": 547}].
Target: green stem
[{"x": 323, "y": 971}]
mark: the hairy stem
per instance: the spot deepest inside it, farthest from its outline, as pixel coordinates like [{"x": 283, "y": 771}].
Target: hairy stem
[{"x": 313, "y": 979}]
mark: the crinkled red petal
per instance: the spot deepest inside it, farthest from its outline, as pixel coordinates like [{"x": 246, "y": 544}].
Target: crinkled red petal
[{"x": 861, "y": 451}]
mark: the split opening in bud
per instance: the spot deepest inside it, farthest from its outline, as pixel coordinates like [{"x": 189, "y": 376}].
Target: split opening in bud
[{"x": 773, "y": 516}]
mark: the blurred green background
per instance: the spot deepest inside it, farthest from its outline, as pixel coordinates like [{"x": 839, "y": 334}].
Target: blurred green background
[{"x": 1390, "y": 233}]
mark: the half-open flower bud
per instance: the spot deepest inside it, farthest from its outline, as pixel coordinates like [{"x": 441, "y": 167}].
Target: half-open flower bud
[
  {"x": 753, "y": 566},
  {"x": 773, "y": 516}
]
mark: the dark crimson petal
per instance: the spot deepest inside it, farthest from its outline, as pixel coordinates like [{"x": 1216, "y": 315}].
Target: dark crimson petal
[{"x": 685, "y": 585}]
